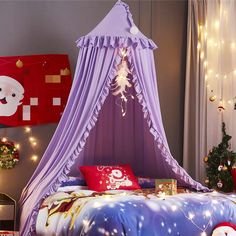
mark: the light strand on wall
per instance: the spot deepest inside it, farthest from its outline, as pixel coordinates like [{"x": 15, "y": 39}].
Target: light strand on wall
[
  {"x": 213, "y": 77},
  {"x": 33, "y": 143}
]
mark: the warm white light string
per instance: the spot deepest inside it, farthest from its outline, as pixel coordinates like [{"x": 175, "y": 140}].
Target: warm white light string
[
  {"x": 217, "y": 69},
  {"x": 214, "y": 79},
  {"x": 121, "y": 82},
  {"x": 33, "y": 143}
]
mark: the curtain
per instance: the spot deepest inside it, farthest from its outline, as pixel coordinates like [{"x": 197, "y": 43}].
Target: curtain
[
  {"x": 210, "y": 91},
  {"x": 84, "y": 102},
  {"x": 195, "y": 93},
  {"x": 220, "y": 77}
]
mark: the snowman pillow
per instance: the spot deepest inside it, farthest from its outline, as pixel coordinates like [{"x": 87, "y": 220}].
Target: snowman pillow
[{"x": 102, "y": 178}]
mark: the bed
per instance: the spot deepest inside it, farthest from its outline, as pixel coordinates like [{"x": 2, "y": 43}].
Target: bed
[{"x": 78, "y": 211}]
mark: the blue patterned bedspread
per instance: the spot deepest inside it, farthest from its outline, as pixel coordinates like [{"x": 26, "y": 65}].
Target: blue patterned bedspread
[{"x": 84, "y": 212}]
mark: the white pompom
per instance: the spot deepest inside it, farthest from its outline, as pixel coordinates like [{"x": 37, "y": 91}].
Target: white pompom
[
  {"x": 134, "y": 30},
  {"x": 224, "y": 230},
  {"x": 231, "y": 233}
]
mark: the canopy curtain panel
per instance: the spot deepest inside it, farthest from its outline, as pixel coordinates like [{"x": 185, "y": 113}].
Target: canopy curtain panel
[
  {"x": 104, "y": 123},
  {"x": 210, "y": 97}
]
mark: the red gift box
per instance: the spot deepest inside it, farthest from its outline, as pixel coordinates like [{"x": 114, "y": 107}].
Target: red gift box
[
  {"x": 8, "y": 233},
  {"x": 234, "y": 177}
]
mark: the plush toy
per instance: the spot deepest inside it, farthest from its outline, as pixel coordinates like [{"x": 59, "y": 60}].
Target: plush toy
[{"x": 224, "y": 229}]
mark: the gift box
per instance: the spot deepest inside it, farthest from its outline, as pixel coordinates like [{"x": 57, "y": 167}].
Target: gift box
[
  {"x": 167, "y": 186},
  {"x": 8, "y": 233},
  {"x": 234, "y": 177}
]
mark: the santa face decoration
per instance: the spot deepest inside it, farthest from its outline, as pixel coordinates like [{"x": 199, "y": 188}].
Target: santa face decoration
[
  {"x": 11, "y": 93},
  {"x": 224, "y": 229}
]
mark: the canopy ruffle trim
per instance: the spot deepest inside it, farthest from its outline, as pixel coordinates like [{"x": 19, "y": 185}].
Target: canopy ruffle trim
[
  {"x": 91, "y": 123},
  {"x": 115, "y": 42}
]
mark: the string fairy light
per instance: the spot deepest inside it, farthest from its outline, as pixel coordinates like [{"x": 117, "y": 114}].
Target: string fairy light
[
  {"x": 121, "y": 82},
  {"x": 211, "y": 46},
  {"x": 33, "y": 143}
]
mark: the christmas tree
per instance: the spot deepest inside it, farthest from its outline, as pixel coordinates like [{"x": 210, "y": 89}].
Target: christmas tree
[{"x": 220, "y": 161}]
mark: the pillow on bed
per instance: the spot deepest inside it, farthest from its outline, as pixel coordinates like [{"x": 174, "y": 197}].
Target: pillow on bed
[
  {"x": 74, "y": 181},
  {"x": 146, "y": 182},
  {"x": 102, "y": 178}
]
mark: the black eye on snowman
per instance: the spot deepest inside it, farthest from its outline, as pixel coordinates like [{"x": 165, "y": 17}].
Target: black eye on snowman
[
  {"x": 13, "y": 95},
  {"x": 117, "y": 173},
  {"x": 0, "y": 89}
]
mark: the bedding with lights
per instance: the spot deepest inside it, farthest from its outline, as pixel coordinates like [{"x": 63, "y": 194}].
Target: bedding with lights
[{"x": 139, "y": 212}]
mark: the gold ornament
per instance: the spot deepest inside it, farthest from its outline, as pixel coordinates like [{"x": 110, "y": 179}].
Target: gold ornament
[
  {"x": 205, "y": 159},
  {"x": 212, "y": 98},
  {"x": 225, "y": 168},
  {"x": 207, "y": 181},
  {"x": 19, "y": 64}
]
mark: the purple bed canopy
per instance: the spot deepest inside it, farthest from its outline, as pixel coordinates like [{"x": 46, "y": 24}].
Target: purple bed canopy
[{"x": 98, "y": 127}]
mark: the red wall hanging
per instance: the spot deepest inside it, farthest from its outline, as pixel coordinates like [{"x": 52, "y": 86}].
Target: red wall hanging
[{"x": 33, "y": 89}]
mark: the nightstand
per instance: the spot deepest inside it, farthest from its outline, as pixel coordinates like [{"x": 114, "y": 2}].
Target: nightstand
[{"x": 7, "y": 212}]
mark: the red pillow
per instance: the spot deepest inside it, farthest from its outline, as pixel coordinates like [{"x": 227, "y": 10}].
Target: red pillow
[{"x": 101, "y": 178}]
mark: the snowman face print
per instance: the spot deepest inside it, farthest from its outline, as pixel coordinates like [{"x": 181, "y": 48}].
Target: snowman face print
[
  {"x": 117, "y": 179},
  {"x": 11, "y": 93}
]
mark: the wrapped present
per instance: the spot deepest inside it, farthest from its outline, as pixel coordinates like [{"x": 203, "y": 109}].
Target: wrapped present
[
  {"x": 8, "y": 233},
  {"x": 167, "y": 186},
  {"x": 233, "y": 172}
]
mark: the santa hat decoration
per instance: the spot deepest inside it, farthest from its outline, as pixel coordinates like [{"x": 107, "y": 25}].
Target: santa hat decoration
[{"x": 224, "y": 229}]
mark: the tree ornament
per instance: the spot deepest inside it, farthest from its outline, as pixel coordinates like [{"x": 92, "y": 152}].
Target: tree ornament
[
  {"x": 220, "y": 167},
  {"x": 19, "y": 64},
  {"x": 206, "y": 181},
  {"x": 212, "y": 98},
  {"x": 205, "y": 159},
  {"x": 228, "y": 162},
  {"x": 221, "y": 106},
  {"x": 9, "y": 154},
  {"x": 219, "y": 184},
  {"x": 225, "y": 168}
]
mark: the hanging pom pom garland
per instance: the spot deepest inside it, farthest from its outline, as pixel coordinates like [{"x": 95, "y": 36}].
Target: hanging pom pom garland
[
  {"x": 122, "y": 82},
  {"x": 9, "y": 154}
]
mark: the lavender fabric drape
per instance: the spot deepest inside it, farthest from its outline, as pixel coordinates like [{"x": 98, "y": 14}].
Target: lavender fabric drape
[
  {"x": 146, "y": 88},
  {"x": 91, "y": 129},
  {"x": 85, "y": 100}
]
